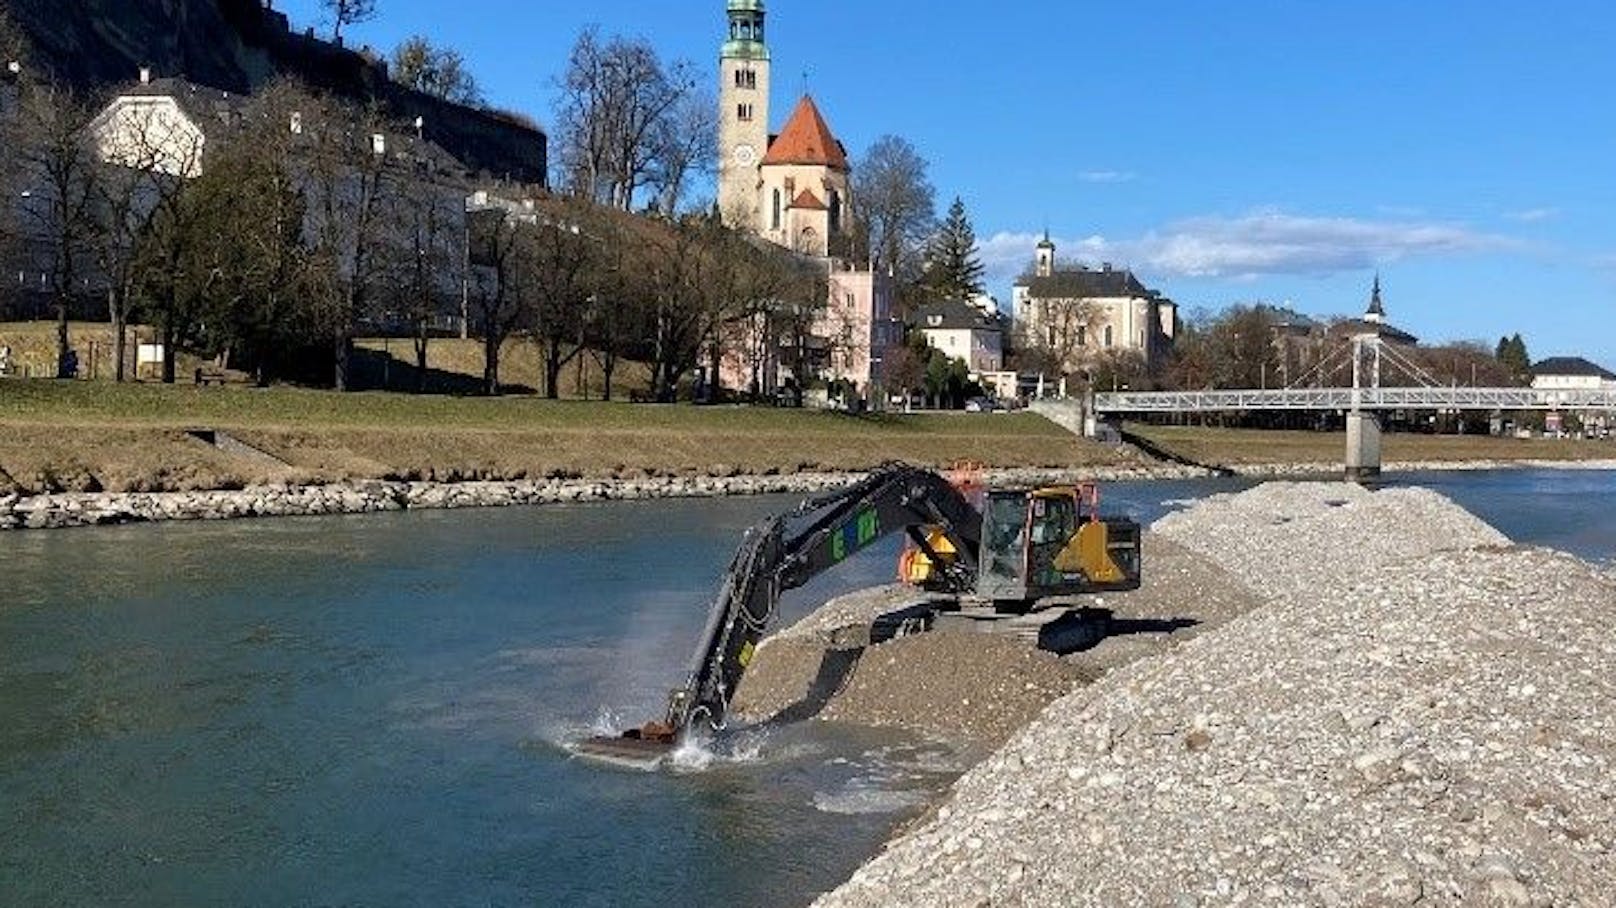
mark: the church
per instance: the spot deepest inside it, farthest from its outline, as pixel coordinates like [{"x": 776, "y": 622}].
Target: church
[{"x": 794, "y": 189}]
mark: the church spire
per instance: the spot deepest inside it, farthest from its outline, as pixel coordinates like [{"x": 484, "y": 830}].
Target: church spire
[{"x": 1377, "y": 310}]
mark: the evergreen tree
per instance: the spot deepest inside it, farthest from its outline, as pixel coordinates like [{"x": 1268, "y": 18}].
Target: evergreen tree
[
  {"x": 954, "y": 267},
  {"x": 1513, "y": 356}
]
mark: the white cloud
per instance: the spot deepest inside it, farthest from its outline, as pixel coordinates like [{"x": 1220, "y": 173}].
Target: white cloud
[
  {"x": 1258, "y": 244},
  {"x": 1107, "y": 176},
  {"x": 1533, "y": 215}
]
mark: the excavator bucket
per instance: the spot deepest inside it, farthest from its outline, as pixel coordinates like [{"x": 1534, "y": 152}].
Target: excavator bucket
[{"x": 640, "y": 747}]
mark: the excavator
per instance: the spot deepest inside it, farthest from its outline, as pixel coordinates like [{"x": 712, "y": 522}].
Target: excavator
[{"x": 1004, "y": 550}]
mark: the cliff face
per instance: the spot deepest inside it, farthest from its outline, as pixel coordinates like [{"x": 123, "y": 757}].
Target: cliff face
[{"x": 91, "y": 43}]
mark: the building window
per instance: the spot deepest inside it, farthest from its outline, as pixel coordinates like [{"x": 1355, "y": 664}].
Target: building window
[
  {"x": 1082, "y": 335},
  {"x": 745, "y": 78},
  {"x": 1108, "y": 335},
  {"x": 835, "y": 211},
  {"x": 775, "y": 220},
  {"x": 743, "y": 112}
]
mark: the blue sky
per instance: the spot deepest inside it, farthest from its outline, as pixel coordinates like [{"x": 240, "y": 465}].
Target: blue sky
[{"x": 1227, "y": 151}]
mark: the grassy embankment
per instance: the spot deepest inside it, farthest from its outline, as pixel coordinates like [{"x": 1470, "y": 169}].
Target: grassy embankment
[
  {"x": 1233, "y": 447},
  {"x": 132, "y": 437}
]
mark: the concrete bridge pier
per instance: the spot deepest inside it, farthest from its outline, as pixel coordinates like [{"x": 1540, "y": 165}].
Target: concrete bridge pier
[{"x": 1363, "y": 447}]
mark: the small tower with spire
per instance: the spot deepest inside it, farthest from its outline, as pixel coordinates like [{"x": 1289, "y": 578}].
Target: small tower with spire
[
  {"x": 1376, "y": 313},
  {"x": 1046, "y": 256}
]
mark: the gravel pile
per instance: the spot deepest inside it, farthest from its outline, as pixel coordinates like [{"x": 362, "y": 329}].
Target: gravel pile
[
  {"x": 1418, "y": 715},
  {"x": 968, "y": 688},
  {"x": 978, "y": 686}
]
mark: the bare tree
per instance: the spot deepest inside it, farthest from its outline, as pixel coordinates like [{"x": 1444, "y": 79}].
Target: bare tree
[
  {"x": 676, "y": 272},
  {"x": 564, "y": 259},
  {"x": 501, "y": 298},
  {"x": 347, "y": 185},
  {"x": 686, "y": 145},
  {"x": 438, "y": 71},
  {"x": 425, "y": 261},
  {"x": 617, "y": 100},
  {"x": 263, "y": 304},
  {"x": 348, "y": 12},
  {"x": 147, "y": 159},
  {"x": 615, "y": 319},
  {"x": 1059, "y": 337},
  {"x": 59, "y": 170},
  {"x": 896, "y": 204}
]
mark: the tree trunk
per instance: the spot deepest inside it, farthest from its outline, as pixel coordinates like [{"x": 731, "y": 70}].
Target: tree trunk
[
  {"x": 120, "y": 339},
  {"x": 168, "y": 351},
  {"x": 552, "y": 371},
  {"x": 608, "y": 365},
  {"x": 715, "y": 361},
  {"x": 490, "y": 363},
  {"x": 421, "y": 340},
  {"x": 62, "y": 349},
  {"x": 342, "y": 354}
]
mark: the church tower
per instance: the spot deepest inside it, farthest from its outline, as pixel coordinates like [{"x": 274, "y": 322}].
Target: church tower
[
  {"x": 743, "y": 113},
  {"x": 1046, "y": 256}
]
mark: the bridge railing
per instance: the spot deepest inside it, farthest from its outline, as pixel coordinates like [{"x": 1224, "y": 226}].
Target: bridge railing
[{"x": 1347, "y": 398}]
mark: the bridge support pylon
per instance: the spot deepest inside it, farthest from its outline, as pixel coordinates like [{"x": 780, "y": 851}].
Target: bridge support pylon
[{"x": 1363, "y": 447}]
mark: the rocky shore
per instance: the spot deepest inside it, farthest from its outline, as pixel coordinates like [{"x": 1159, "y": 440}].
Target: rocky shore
[
  {"x": 1412, "y": 711},
  {"x": 80, "y": 509}
]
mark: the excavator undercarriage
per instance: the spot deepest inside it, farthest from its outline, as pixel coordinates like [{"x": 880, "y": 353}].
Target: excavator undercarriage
[{"x": 983, "y": 553}]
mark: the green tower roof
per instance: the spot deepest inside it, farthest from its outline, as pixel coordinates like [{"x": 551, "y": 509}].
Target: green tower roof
[{"x": 745, "y": 31}]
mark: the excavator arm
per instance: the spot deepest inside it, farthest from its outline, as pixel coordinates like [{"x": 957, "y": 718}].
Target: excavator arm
[
  {"x": 785, "y": 552},
  {"x": 775, "y": 557}
]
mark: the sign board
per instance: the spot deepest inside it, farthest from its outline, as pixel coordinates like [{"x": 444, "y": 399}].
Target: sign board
[{"x": 149, "y": 353}]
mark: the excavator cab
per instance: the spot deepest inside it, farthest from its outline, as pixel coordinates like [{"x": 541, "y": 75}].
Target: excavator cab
[{"x": 1053, "y": 542}]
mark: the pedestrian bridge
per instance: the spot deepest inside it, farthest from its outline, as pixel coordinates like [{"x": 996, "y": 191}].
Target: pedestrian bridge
[{"x": 1352, "y": 399}]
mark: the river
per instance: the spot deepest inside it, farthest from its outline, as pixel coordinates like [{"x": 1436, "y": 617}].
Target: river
[{"x": 370, "y": 710}]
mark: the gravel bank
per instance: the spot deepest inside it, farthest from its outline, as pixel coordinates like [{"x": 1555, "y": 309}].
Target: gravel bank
[{"x": 1418, "y": 714}]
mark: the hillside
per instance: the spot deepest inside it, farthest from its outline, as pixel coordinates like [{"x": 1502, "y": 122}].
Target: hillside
[{"x": 239, "y": 46}]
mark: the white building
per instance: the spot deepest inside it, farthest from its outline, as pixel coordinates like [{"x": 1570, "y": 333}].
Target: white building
[
  {"x": 964, "y": 331},
  {"x": 1572, "y": 373},
  {"x": 1078, "y": 314}
]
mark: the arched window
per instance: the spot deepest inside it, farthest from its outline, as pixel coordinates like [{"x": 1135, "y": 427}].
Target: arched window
[{"x": 775, "y": 220}]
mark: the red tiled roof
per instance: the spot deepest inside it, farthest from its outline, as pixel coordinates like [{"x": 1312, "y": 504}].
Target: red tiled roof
[
  {"x": 807, "y": 140},
  {"x": 807, "y": 199}
]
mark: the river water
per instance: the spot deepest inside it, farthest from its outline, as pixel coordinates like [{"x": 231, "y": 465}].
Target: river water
[{"x": 372, "y": 710}]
